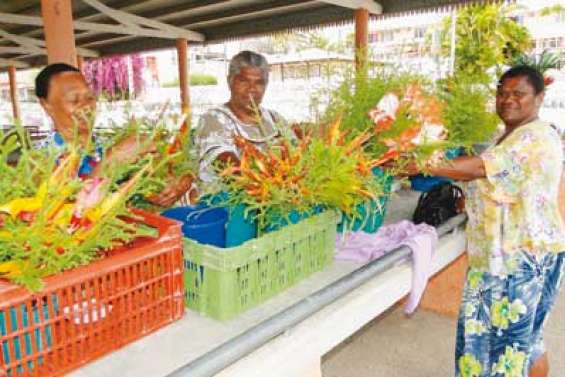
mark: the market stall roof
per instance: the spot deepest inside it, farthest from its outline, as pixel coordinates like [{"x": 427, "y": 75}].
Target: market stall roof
[{"x": 106, "y": 27}]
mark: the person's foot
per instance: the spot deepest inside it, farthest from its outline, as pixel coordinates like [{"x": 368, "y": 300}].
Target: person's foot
[{"x": 540, "y": 367}]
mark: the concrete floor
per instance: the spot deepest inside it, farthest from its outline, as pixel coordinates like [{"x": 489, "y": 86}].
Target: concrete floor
[{"x": 420, "y": 346}]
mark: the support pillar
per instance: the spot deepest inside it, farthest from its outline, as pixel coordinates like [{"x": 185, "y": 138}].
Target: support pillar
[
  {"x": 59, "y": 31},
  {"x": 182, "y": 54},
  {"x": 14, "y": 92},
  {"x": 361, "y": 37}
]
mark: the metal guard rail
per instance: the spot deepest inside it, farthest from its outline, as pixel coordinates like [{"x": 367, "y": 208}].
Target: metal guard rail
[{"x": 236, "y": 348}]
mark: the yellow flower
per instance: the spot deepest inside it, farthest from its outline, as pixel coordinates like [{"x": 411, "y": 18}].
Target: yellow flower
[
  {"x": 469, "y": 366},
  {"x": 473, "y": 327},
  {"x": 10, "y": 269},
  {"x": 19, "y": 205},
  {"x": 474, "y": 278},
  {"x": 511, "y": 363},
  {"x": 503, "y": 312}
]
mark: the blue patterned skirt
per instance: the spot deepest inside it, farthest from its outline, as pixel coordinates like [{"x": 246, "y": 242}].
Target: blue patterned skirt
[{"x": 501, "y": 320}]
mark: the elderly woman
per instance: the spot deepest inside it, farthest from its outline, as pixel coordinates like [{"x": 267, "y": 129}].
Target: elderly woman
[
  {"x": 242, "y": 115},
  {"x": 515, "y": 237}
]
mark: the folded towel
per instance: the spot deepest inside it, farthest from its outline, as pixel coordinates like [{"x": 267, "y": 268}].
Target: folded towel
[{"x": 421, "y": 239}]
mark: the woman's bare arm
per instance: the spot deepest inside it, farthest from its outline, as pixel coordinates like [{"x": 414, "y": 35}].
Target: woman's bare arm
[{"x": 466, "y": 168}]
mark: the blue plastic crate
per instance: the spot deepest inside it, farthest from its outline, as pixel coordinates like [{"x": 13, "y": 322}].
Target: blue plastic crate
[
  {"x": 238, "y": 227},
  {"x": 425, "y": 184},
  {"x": 22, "y": 345},
  {"x": 371, "y": 214},
  {"x": 293, "y": 217},
  {"x": 206, "y": 225}
]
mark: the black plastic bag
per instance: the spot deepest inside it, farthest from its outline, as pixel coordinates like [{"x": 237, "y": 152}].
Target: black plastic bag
[{"x": 439, "y": 204}]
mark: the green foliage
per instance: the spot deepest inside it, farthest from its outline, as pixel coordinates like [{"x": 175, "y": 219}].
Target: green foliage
[
  {"x": 485, "y": 37},
  {"x": 202, "y": 79},
  {"x": 360, "y": 93},
  {"x": 463, "y": 108},
  {"x": 542, "y": 62},
  {"x": 165, "y": 163},
  {"x": 42, "y": 231},
  {"x": 21, "y": 164},
  {"x": 292, "y": 179},
  {"x": 43, "y": 245},
  {"x": 554, "y": 9},
  {"x": 334, "y": 180},
  {"x": 196, "y": 79},
  {"x": 466, "y": 117}
]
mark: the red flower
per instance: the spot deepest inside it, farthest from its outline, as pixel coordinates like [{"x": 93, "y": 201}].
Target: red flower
[{"x": 548, "y": 80}]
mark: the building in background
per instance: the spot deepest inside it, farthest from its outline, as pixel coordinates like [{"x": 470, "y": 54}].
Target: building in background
[
  {"x": 310, "y": 64},
  {"x": 412, "y": 41},
  {"x": 548, "y": 32}
]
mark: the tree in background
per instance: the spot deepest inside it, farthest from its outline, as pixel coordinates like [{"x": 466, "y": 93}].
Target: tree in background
[
  {"x": 554, "y": 9},
  {"x": 108, "y": 77},
  {"x": 486, "y": 36}
]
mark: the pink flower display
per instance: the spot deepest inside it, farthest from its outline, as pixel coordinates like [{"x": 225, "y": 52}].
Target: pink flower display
[{"x": 109, "y": 76}]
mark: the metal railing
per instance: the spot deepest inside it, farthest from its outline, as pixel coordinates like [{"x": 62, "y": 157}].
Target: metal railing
[{"x": 236, "y": 348}]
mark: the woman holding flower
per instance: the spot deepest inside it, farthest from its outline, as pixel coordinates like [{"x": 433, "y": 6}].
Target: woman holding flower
[
  {"x": 516, "y": 243},
  {"x": 66, "y": 97}
]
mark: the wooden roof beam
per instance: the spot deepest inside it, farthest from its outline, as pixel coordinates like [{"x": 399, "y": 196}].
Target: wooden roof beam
[
  {"x": 156, "y": 8},
  {"x": 35, "y": 46},
  {"x": 372, "y": 6},
  {"x": 130, "y": 27},
  {"x": 137, "y": 24},
  {"x": 231, "y": 15},
  {"x": 131, "y": 6},
  {"x": 12, "y": 63},
  {"x": 31, "y": 44}
]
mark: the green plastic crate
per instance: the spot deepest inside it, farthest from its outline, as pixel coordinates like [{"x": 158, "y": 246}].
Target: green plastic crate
[{"x": 222, "y": 283}]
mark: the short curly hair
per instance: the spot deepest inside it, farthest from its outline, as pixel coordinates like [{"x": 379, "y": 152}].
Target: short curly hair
[
  {"x": 248, "y": 59},
  {"x": 534, "y": 77},
  {"x": 44, "y": 77}
]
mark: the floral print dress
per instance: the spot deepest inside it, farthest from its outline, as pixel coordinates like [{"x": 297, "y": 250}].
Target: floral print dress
[
  {"x": 218, "y": 126},
  {"x": 515, "y": 246}
]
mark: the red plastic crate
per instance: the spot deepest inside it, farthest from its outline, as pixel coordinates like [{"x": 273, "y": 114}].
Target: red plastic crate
[{"x": 87, "y": 312}]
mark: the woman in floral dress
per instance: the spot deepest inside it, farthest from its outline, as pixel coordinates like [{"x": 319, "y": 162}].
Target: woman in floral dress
[{"x": 516, "y": 243}]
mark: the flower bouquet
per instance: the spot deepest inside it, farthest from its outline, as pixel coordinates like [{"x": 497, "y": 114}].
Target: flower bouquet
[
  {"x": 52, "y": 220},
  {"x": 295, "y": 178},
  {"x": 413, "y": 120}
]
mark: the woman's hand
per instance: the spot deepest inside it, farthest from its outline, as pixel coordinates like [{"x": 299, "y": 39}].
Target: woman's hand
[
  {"x": 407, "y": 170},
  {"x": 132, "y": 148},
  {"x": 175, "y": 189},
  {"x": 125, "y": 152}
]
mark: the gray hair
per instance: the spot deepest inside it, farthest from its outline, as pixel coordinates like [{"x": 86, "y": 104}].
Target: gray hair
[{"x": 248, "y": 59}]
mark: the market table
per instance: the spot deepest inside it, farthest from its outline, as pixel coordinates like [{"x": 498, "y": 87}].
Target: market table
[{"x": 287, "y": 335}]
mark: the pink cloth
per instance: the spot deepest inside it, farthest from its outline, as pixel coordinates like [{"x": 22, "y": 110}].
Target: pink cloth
[{"x": 421, "y": 239}]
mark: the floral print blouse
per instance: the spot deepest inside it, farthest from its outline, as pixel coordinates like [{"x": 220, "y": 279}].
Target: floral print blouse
[
  {"x": 216, "y": 130},
  {"x": 516, "y": 206}
]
